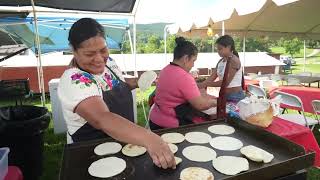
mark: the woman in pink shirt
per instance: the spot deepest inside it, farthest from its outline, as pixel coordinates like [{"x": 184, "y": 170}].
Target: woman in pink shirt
[{"x": 178, "y": 100}]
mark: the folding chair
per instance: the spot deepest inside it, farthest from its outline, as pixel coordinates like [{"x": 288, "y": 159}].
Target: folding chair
[
  {"x": 293, "y": 82},
  {"x": 256, "y": 90},
  {"x": 294, "y": 101},
  {"x": 316, "y": 75},
  {"x": 316, "y": 109}
]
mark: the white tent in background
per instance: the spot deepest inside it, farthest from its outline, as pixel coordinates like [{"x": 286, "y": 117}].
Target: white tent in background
[{"x": 252, "y": 18}]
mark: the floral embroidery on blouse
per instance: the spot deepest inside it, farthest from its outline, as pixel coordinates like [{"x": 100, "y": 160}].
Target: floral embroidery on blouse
[
  {"x": 111, "y": 80},
  {"x": 83, "y": 78}
]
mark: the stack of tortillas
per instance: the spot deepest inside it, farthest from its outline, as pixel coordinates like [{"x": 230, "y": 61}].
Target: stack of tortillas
[
  {"x": 173, "y": 138},
  {"x": 107, "y": 148},
  {"x": 230, "y": 165},
  {"x": 107, "y": 167},
  {"x": 196, "y": 173},
  {"x": 133, "y": 150}
]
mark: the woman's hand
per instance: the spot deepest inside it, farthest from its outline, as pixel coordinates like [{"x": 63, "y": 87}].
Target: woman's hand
[{"x": 159, "y": 151}]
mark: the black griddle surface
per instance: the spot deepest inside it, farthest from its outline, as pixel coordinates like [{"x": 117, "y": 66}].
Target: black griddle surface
[{"x": 288, "y": 157}]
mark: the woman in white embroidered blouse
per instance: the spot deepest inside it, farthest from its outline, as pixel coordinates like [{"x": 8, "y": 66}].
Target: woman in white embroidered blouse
[{"x": 81, "y": 92}]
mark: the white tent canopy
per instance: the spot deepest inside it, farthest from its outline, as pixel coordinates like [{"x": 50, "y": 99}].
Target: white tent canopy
[{"x": 276, "y": 18}]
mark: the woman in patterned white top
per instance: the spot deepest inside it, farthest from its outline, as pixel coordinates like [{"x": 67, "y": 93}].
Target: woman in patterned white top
[{"x": 90, "y": 98}]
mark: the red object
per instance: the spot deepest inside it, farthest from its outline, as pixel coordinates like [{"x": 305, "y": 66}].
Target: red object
[
  {"x": 306, "y": 94},
  {"x": 14, "y": 173},
  {"x": 253, "y": 82},
  {"x": 298, "y": 134}
]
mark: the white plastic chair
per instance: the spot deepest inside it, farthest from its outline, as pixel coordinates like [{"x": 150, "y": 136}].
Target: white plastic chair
[
  {"x": 267, "y": 84},
  {"x": 147, "y": 126},
  {"x": 145, "y": 81},
  {"x": 256, "y": 90},
  {"x": 295, "y": 101}
]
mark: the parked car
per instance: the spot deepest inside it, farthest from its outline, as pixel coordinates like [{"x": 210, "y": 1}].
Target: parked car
[{"x": 287, "y": 60}]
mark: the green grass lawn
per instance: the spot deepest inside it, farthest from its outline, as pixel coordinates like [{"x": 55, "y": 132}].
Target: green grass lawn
[{"x": 54, "y": 144}]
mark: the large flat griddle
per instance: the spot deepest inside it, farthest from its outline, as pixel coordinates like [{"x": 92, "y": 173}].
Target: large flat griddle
[{"x": 289, "y": 157}]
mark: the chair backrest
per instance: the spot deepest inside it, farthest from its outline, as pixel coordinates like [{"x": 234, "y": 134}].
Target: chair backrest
[
  {"x": 305, "y": 74},
  {"x": 256, "y": 90},
  {"x": 316, "y": 108},
  {"x": 266, "y": 84},
  {"x": 316, "y": 74},
  {"x": 293, "y": 82},
  {"x": 290, "y": 100}
]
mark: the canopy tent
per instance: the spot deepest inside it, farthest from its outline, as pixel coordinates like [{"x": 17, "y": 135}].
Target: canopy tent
[
  {"x": 116, "y": 6},
  {"x": 53, "y": 31},
  {"x": 125, "y": 7},
  {"x": 252, "y": 18}
]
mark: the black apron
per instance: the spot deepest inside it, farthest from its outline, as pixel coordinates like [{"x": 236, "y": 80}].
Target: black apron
[
  {"x": 119, "y": 101},
  {"x": 185, "y": 112}
]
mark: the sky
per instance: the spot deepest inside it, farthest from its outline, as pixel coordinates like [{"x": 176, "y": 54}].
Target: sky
[{"x": 151, "y": 11}]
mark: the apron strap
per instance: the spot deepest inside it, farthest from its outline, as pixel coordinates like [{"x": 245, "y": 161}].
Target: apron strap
[
  {"x": 115, "y": 74},
  {"x": 222, "y": 100}
]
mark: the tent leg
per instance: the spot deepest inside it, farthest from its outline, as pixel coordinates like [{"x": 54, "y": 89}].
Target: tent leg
[
  {"x": 135, "y": 46},
  {"x": 223, "y": 29},
  {"x": 165, "y": 43},
  {"x": 40, "y": 69},
  {"x": 304, "y": 56},
  {"x": 244, "y": 53}
]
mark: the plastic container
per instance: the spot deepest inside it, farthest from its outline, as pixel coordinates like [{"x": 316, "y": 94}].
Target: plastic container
[{"x": 3, "y": 162}]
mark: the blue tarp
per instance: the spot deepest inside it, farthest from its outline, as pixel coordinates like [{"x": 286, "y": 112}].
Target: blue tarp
[{"x": 53, "y": 31}]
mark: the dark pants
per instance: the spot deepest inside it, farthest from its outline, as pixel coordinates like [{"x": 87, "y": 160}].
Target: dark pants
[{"x": 154, "y": 126}]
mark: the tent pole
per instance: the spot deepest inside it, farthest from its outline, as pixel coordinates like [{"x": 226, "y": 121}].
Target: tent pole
[
  {"x": 244, "y": 52},
  {"x": 135, "y": 45},
  {"x": 304, "y": 55},
  {"x": 40, "y": 69},
  {"x": 223, "y": 30},
  {"x": 130, "y": 41},
  {"x": 165, "y": 43}
]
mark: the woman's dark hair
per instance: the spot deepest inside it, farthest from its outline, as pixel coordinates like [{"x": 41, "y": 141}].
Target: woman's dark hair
[
  {"x": 84, "y": 29},
  {"x": 225, "y": 41},
  {"x": 184, "y": 47}
]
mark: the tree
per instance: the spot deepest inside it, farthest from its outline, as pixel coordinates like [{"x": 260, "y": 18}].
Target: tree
[
  {"x": 171, "y": 43},
  {"x": 153, "y": 44},
  {"x": 253, "y": 44},
  {"x": 313, "y": 44},
  {"x": 292, "y": 46}
]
